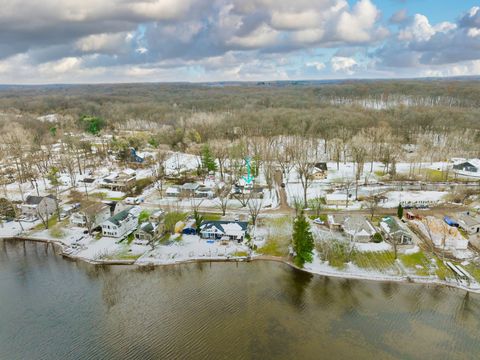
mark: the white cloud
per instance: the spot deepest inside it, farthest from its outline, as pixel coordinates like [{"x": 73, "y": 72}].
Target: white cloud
[
  {"x": 262, "y": 36},
  {"x": 316, "y": 64},
  {"x": 103, "y": 42},
  {"x": 61, "y": 66},
  {"x": 357, "y": 26},
  {"x": 343, "y": 64},
  {"x": 473, "y": 32},
  {"x": 421, "y": 30}
]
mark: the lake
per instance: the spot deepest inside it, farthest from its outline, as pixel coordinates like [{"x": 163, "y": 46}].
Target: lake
[{"x": 52, "y": 308}]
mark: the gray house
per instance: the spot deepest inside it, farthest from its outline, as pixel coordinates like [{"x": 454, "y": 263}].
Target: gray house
[
  {"x": 469, "y": 223},
  {"x": 392, "y": 230},
  {"x": 39, "y": 206}
]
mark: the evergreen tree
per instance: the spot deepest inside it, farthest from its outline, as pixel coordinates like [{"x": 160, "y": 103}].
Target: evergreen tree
[
  {"x": 208, "y": 161},
  {"x": 198, "y": 220},
  {"x": 303, "y": 243},
  {"x": 400, "y": 211}
]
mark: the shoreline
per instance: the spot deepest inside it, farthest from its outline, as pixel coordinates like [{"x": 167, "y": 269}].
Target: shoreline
[{"x": 336, "y": 274}]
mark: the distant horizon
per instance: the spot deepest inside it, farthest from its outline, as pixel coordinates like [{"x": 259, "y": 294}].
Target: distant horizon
[{"x": 255, "y": 82}]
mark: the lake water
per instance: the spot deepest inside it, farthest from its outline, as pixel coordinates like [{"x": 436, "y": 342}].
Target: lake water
[{"x": 51, "y": 308}]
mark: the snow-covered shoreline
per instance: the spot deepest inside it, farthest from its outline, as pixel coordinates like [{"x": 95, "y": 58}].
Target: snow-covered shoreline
[{"x": 315, "y": 270}]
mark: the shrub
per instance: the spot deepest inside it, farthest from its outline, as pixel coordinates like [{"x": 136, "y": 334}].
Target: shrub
[{"x": 377, "y": 238}]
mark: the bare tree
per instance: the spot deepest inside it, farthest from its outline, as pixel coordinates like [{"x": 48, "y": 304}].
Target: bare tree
[
  {"x": 159, "y": 171},
  {"x": 285, "y": 151},
  {"x": 305, "y": 157},
  {"x": 254, "y": 209},
  {"x": 44, "y": 215},
  {"x": 90, "y": 210},
  {"x": 222, "y": 197},
  {"x": 359, "y": 153},
  {"x": 220, "y": 149},
  {"x": 372, "y": 205}
]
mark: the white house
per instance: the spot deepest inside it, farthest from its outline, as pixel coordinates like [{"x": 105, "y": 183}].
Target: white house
[
  {"x": 356, "y": 227},
  {"x": 99, "y": 213},
  {"x": 173, "y": 191},
  {"x": 469, "y": 223},
  {"x": 39, "y": 206},
  {"x": 224, "y": 230},
  {"x": 467, "y": 167},
  {"x": 121, "y": 224},
  {"x": 338, "y": 199}
]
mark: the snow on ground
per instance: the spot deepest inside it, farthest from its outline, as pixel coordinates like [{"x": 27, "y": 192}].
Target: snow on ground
[
  {"x": 395, "y": 197},
  {"x": 191, "y": 247},
  {"x": 413, "y": 250},
  {"x": 95, "y": 249},
  {"x": 382, "y": 246},
  {"x": 110, "y": 194},
  {"x": 179, "y": 162},
  {"x": 70, "y": 234},
  {"x": 270, "y": 200},
  {"x": 13, "y": 228},
  {"x": 295, "y": 191},
  {"x": 318, "y": 266}
]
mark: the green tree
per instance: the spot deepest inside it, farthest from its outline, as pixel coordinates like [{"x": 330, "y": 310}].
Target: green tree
[
  {"x": 92, "y": 124},
  {"x": 208, "y": 161},
  {"x": 143, "y": 216},
  {"x": 400, "y": 211},
  {"x": 303, "y": 243},
  {"x": 198, "y": 220}
]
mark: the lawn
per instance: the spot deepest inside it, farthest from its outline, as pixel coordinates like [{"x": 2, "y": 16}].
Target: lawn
[
  {"x": 52, "y": 221},
  {"x": 417, "y": 261},
  {"x": 442, "y": 270},
  {"x": 240, "y": 253},
  {"x": 278, "y": 237},
  {"x": 339, "y": 253},
  {"x": 474, "y": 270},
  {"x": 211, "y": 216},
  {"x": 377, "y": 260},
  {"x": 273, "y": 247}
]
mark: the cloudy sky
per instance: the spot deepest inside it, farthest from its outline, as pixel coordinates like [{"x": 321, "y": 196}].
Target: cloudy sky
[{"x": 73, "y": 41}]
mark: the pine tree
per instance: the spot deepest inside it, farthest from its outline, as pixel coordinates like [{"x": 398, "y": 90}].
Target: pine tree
[
  {"x": 303, "y": 243},
  {"x": 400, "y": 211},
  {"x": 208, "y": 161}
]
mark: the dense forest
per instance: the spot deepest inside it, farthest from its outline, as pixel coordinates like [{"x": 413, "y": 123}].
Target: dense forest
[{"x": 177, "y": 114}]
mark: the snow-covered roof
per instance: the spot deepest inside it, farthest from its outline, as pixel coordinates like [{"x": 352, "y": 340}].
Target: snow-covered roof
[
  {"x": 233, "y": 228},
  {"x": 172, "y": 190},
  {"x": 336, "y": 196}
]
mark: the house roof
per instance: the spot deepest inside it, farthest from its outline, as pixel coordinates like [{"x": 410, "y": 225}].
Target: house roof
[
  {"x": 468, "y": 220},
  {"x": 35, "y": 200},
  {"x": 224, "y": 225},
  {"x": 172, "y": 190},
  {"x": 122, "y": 215},
  {"x": 473, "y": 162},
  {"x": 321, "y": 166},
  {"x": 190, "y": 186},
  {"x": 358, "y": 225},
  {"x": 336, "y": 196},
  {"x": 148, "y": 227},
  {"x": 390, "y": 225}
]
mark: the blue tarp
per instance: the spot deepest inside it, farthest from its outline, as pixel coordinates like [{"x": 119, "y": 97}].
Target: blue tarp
[
  {"x": 450, "y": 221},
  {"x": 189, "y": 231}
]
